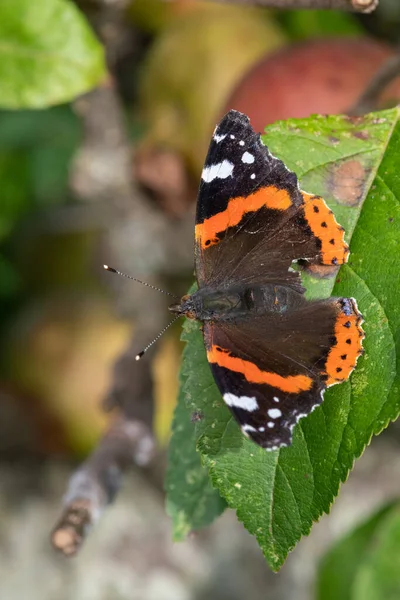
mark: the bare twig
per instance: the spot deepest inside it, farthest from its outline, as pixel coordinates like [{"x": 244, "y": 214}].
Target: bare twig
[
  {"x": 102, "y": 168},
  {"x": 363, "y": 6},
  {"x": 368, "y": 100},
  {"x": 128, "y": 441},
  {"x": 109, "y": 21},
  {"x": 94, "y": 485}
]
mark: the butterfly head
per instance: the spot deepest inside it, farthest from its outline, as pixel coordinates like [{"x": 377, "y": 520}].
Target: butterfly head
[{"x": 185, "y": 307}]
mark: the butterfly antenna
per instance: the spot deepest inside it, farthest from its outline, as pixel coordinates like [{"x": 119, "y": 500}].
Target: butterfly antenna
[
  {"x": 153, "y": 287},
  {"x": 140, "y": 355}
]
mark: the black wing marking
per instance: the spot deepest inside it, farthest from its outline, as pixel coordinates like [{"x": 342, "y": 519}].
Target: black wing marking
[
  {"x": 264, "y": 243},
  {"x": 294, "y": 347}
]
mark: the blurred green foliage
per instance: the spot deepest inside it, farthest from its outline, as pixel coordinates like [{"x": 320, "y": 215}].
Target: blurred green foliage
[
  {"x": 35, "y": 150},
  {"x": 364, "y": 565},
  {"x": 304, "y": 24},
  {"x": 48, "y": 53}
]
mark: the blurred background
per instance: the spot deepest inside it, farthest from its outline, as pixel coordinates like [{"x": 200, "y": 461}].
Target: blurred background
[{"x": 112, "y": 178}]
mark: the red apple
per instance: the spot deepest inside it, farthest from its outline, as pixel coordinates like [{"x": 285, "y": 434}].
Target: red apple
[
  {"x": 320, "y": 76},
  {"x": 187, "y": 76}
]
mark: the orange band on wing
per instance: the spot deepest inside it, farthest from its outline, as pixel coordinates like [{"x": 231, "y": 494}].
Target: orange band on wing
[
  {"x": 292, "y": 384},
  {"x": 323, "y": 224},
  {"x": 270, "y": 197},
  {"x": 343, "y": 356}
]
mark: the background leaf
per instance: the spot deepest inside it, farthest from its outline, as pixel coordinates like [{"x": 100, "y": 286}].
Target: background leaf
[
  {"x": 192, "y": 502},
  {"x": 278, "y": 495},
  {"x": 339, "y": 567},
  {"x": 302, "y": 24},
  {"x": 36, "y": 148},
  {"x": 378, "y": 576},
  {"x": 48, "y": 53}
]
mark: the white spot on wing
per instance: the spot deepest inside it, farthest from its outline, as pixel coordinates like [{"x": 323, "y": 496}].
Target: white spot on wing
[
  {"x": 261, "y": 429},
  {"x": 276, "y": 399},
  {"x": 244, "y": 402},
  {"x": 248, "y": 158},
  {"x": 232, "y": 136},
  {"x": 218, "y": 171},
  {"x": 241, "y": 143},
  {"x": 218, "y": 138},
  {"x": 301, "y": 415},
  {"x": 270, "y": 424},
  {"x": 276, "y": 447},
  {"x": 248, "y": 428},
  {"x": 253, "y": 176},
  {"x": 274, "y": 413}
]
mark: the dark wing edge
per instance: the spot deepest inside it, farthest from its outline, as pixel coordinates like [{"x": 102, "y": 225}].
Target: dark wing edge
[{"x": 269, "y": 385}]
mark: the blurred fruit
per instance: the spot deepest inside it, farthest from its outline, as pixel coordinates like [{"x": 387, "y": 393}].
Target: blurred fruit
[
  {"x": 62, "y": 352},
  {"x": 163, "y": 173},
  {"x": 25, "y": 430},
  {"x": 149, "y": 15},
  {"x": 323, "y": 76},
  {"x": 190, "y": 71},
  {"x": 165, "y": 372},
  {"x": 153, "y": 15}
]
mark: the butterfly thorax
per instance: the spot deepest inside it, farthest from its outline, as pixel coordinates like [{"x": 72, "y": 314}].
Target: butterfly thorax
[{"x": 237, "y": 302}]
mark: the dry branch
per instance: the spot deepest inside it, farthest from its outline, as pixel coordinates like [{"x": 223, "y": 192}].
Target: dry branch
[
  {"x": 363, "y": 6},
  {"x": 94, "y": 485}
]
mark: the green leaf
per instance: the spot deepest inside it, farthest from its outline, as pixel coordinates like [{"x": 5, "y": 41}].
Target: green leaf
[
  {"x": 278, "y": 495},
  {"x": 306, "y": 24},
  {"x": 192, "y": 502},
  {"x": 48, "y": 53},
  {"x": 338, "y": 569},
  {"x": 10, "y": 281},
  {"x": 378, "y": 577},
  {"x": 35, "y": 150}
]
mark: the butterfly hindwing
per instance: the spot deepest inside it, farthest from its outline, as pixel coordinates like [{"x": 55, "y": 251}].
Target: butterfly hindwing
[{"x": 271, "y": 372}]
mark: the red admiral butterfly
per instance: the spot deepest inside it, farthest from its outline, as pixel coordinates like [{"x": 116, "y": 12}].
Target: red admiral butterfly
[{"x": 272, "y": 352}]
